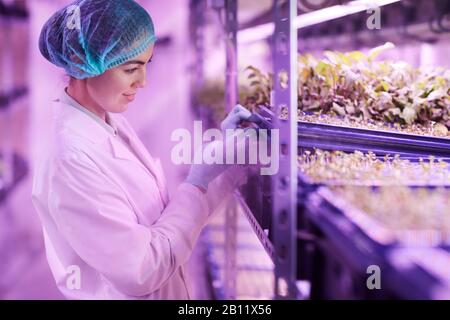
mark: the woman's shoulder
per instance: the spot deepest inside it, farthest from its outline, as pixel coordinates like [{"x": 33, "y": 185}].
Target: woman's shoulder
[{"x": 66, "y": 143}]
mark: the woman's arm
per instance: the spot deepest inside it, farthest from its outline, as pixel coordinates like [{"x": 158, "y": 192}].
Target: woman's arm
[{"x": 96, "y": 219}]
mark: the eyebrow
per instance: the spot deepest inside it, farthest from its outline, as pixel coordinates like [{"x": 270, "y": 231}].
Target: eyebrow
[{"x": 137, "y": 61}]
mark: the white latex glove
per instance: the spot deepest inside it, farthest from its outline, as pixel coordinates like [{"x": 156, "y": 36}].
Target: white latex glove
[
  {"x": 201, "y": 175},
  {"x": 236, "y": 115}
]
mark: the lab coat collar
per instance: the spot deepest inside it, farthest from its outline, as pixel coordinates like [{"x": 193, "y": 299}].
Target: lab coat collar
[
  {"x": 109, "y": 125},
  {"x": 71, "y": 118}
]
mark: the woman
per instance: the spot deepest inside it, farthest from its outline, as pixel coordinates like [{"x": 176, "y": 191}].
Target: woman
[{"x": 110, "y": 230}]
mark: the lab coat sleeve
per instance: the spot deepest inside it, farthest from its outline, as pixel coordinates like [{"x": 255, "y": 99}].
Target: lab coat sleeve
[{"x": 95, "y": 217}]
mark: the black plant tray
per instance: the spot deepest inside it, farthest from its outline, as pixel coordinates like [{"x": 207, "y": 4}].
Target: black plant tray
[
  {"x": 331, "y": 137},
  {"x": 355, "y": 243}
]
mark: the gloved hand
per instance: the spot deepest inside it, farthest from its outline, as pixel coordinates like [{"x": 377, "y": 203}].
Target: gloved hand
[
  {"x": 201, "y": 175},
  {"x": 236, "y": 115}
]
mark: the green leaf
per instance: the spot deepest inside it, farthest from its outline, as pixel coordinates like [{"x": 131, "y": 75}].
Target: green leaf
[
  {"x": 375, "y": 52},
  {"x": 322, "y": 68},
  {"x": 344, "y": 59},
  {"x": 333, "y": 57},
  {"x": 357, "y": 56},
  {"x": 436, "y": 94},
  {"x": 409, "y": 114},
  {"x": 338, "y": 109}
]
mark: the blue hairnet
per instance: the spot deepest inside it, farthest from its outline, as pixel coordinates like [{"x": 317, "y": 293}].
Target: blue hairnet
[{"x": 89, "y": 37}]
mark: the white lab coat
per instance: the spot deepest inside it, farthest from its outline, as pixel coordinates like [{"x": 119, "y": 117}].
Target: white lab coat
[{"x": 106, "y": 215}]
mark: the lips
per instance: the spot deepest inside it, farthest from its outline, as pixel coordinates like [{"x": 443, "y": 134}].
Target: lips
[{"x": 130, "y": 97}]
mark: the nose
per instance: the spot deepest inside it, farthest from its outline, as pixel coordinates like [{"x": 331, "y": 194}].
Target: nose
[{"x": 142, "y": 80}]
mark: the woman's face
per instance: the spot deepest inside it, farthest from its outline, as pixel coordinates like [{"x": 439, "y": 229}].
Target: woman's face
[{"x": 117, "y": 87}]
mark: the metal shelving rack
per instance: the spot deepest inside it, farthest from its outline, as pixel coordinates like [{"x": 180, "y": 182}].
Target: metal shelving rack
[
  {"x": 283, "y": 247},
  {"x": 291, "y": 204},
  {"x": 14, "y": 167},
  {"x": 283, "y": 250},
  {"x": 284, "y": 183},
  {"x": 231, "y": 94}
]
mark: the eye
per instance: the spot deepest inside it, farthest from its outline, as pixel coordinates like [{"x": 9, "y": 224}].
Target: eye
[{"x": 130, "y": 71}]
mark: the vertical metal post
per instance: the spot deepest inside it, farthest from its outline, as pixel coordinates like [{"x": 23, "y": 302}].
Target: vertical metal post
[
  {"x": 197, "y": 30},
  {"x": 6, "y": 87},
  {"x": 284, "y": 220},
  {"x": 231, "y": 25},
  {"x": 231, "y": 94}
]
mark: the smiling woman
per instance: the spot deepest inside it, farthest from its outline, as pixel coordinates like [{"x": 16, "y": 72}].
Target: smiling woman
[
  {"x": 114, "y": 89},
  {"x": 95, "y": 51},
  {"x": 101, "y": 197}
]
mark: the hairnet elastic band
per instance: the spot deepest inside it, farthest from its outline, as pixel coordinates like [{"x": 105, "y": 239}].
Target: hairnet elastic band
[{"x": 132, "y": 54}]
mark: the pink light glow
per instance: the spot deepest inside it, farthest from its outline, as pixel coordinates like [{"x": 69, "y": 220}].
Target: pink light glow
[{"x": 308, "y": 19}]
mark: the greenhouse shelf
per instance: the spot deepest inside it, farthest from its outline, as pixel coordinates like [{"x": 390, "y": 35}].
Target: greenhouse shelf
[
  {"x": 324, "y": 231},
  {"x": 260, "y": 216},
  {"x": 6, "y": 100},
  {"x": 20, "y": 171},
  {"x": 309, "y": 231},
  {"x": 256, "y": 226},
  {"x": 349, "y": 139},
  {"x": 346, "y": 248},
  {"x": 330, "y": 137},
  {"x": 254, "y": 267}
]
